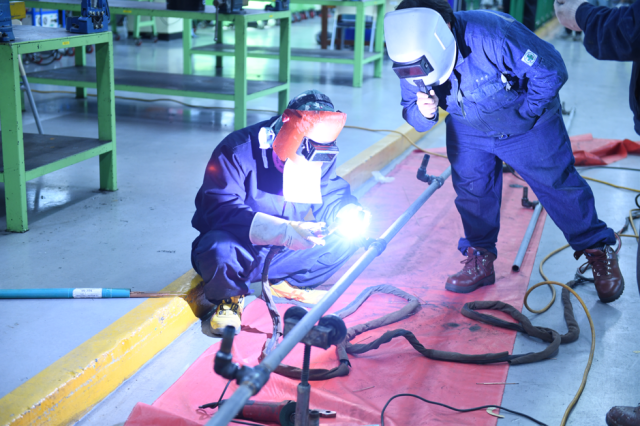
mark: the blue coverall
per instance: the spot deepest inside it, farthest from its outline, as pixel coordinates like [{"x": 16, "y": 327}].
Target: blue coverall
[
  {"x": 614, "y": 34},
  {"x": 503, "y": 105},
  {"x": 240, "y": 180}
]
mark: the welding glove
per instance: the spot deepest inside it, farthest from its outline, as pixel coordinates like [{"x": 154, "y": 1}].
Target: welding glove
[
  {"x": 269, "y": 230},
  {"x": 352, "y": 221}
]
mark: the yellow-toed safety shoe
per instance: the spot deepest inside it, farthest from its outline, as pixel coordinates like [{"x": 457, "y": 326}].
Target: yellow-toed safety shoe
[
  {"x": 228, "y": 312},
  {"x": 287, "y": 291}
]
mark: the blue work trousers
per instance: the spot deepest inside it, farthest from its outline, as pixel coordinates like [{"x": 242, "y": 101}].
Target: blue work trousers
[
  {"x": 544, "y": 159},
  {"x": 227, "y": 267}
]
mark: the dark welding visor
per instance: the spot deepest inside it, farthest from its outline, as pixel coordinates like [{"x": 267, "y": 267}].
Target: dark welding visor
[
  {"x": 419, "y": 68},
  {"x": 320, "y": 152}
]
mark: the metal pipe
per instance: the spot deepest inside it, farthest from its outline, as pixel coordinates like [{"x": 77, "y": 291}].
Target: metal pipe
[
  {"x": 527, "y": 238},
  {"x": 79, "y": 293},
  {"x": 64, "y": 293},
  {"x": 27, "y": 89},
  {"x": 233, "y": 405}
]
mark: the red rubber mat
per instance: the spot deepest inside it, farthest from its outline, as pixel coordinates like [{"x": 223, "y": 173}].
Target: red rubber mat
[
  {"x": 599, "y": 152},
  {"x": 418, "y": 261}
]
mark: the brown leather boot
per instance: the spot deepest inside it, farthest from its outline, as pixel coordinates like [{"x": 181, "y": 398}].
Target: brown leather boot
[
  {"x": 624, "y": 416},
  {"x": 476, "y": 272},
  {"x": 606, "y": 272}
]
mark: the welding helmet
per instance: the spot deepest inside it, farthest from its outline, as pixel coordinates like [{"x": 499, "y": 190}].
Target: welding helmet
[
  {"x": 421, "y": 46},
  {"x": 309, "y": 134},
  {"x": 304, "y": 138}
]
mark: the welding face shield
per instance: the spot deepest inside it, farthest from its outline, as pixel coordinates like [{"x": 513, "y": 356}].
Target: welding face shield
[
  {"x": 309, "y": 135},
  {"x": 421, "y": 46},
  {"x": 307, "y": 140}
]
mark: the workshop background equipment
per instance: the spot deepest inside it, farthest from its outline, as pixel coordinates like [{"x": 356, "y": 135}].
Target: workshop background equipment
[
  {"x": 197, "y": 5},
  {"x": 95, "y": 18},
  {"x": 6, "y": 29}
]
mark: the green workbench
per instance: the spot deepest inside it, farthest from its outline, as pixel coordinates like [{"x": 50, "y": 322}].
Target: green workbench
[
  {"x": 237, "y": 89},
  {"x": 358, "y": 57},
  {"x": 28, "y": 156}
]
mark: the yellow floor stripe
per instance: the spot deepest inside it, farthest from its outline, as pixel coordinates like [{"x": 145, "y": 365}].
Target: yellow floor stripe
[{"x": 69, "y": 387}]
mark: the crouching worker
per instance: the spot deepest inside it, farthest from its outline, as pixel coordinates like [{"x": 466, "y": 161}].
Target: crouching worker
[{"x": 259, "y": 185}]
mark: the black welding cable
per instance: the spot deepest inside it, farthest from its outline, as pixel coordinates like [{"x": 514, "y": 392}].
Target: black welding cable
[{"x": 460, "y": 410}]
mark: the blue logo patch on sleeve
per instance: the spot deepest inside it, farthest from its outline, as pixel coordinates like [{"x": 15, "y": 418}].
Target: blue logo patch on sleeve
[{"x": 529, "y": 58}]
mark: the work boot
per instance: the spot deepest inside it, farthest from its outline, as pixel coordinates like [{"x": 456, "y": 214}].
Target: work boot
[
  {"x": 606, "y": 272},
  {"x": 229, "y": 312},
  {"x": 477, "y": 272},
  {"x": 624, "y": 416}
]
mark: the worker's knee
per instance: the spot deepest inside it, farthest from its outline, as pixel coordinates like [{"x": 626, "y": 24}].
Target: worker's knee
[{"x": 219, "y": 250}]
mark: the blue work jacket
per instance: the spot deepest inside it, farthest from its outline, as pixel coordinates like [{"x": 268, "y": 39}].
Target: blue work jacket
[
  {"x": 614, "y": 34},
  {"x": 241, "y": 179},
  {"x": 505, "y": 80}
]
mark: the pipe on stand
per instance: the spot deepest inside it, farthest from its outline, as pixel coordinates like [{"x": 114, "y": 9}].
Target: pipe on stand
[
  {"x": 527, "y": 238},
  {"x": 260, "y": 374}
]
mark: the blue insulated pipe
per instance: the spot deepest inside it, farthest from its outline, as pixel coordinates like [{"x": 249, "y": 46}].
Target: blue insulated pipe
[
  {"x": 80, "y": 293},
  {"x": 65, "y": 293}
]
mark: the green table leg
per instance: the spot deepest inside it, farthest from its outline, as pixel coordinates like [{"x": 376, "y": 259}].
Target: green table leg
[
  {"x": 240, "y": 82},
  {"x": 136, "y": 27},
  {"x": 15, "y": 186},
  {"x": 106, "y": 114},
  {"x": 284, "y": 75},
  {"x": 379, "y": 43},
  {"x": 81, "y": 60},
  {"x": 114, "y": 24},
  {"x": 219, "y": 33},
  {"x": 358, "y": 47},
  {"x": 186, "y": 46}
]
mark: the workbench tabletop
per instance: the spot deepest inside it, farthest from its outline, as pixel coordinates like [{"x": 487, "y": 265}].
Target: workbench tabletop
[{"x": 30, "y": 34}]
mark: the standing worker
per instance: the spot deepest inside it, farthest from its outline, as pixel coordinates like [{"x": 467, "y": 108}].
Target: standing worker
[
  {"x": 611, "y": 34},
  {"x": 499, "y": 82},
  {"x": 259, "y": 185}
]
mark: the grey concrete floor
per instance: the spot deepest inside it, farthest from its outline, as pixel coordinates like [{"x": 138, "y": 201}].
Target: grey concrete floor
[{"x": 139, "y": 237}]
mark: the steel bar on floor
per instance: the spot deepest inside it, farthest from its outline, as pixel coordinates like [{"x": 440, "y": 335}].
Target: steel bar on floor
[{"x": 527, "y": 238}]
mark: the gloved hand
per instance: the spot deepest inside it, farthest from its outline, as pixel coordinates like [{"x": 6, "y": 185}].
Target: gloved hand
[
  {"x": 566, "y": 12},
  {"x": 352, "y": 221},
  {"x": 269, "y": 230},
  {"x": 427, "y": 104}
]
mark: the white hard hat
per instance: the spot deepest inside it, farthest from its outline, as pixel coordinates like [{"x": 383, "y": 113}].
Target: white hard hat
[{"x": 421, "y": 45}]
